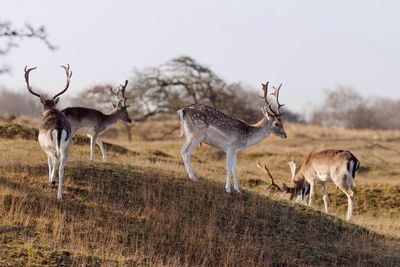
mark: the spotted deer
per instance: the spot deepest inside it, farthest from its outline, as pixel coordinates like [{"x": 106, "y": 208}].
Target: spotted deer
[
  {"x": 325, "y": 166},
  {"x": 54, "y": 131},
  {"x": 202, "y": 123},
  {"x": 96, "y": 122}
]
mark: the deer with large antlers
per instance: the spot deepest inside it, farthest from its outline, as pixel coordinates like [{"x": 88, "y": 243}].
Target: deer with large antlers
[
  {"x": 96, "y": 122},
  {"x": 326, "y": 166},
  {"x": 54, "y": 132},
  {"x": 202, "y": 123}
]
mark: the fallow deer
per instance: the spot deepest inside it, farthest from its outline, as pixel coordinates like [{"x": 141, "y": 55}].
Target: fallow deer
[
  {"x": 202, "y": 123},
  {"x": 301, "y": 193},
  {"x": 54, "y": 132},
  {"x": 326, "y": 166},
  {"x": 96, "y": 122}
]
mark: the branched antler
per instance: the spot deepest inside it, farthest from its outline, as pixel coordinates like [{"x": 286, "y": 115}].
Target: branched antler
[
  {"x": 123, "y": 98},
  {"x": 292, "y": 166},
  {"x": 276, "y": 94},
  {"x": 268, "y": 108},
  {"x": 268, "y": 173},
  {"x": 27, "y": 71},
  {"x": 68, "y": 73}
]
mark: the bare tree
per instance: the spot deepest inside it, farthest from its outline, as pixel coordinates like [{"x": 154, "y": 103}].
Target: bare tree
[
  {"x": 11, "y": 35},
  {"x": 182, "y": 81},
  {"x": 346, "y": 108},
  {"x": 97, "y": 97},
  {"x": 386, "y": 113}
]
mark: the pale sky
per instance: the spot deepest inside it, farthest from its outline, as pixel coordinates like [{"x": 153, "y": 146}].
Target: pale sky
[{"x": 310, "y": 46}]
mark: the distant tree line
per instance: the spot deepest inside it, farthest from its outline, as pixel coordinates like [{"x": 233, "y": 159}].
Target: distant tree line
[
  {"x": 346, "y": 108},
  {"x": 161, "y": 90},
  {"x": 13, "y": 104}
]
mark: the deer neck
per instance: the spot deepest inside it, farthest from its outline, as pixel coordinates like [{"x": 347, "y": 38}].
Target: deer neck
[
  {"x": 260, "y": 131},
  {"x": 112, "y": 117},
  {"x": 299, "y": 179}
]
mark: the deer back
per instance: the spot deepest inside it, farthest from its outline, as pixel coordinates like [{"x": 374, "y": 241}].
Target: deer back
[{"x": 328, "y": 163}]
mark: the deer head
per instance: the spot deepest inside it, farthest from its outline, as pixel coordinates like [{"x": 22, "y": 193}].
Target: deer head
[
  {"x": 293, "y": 191},
  {"x": 269, "y": 175},
  {"x": 274, "y": 117},
  {"x": 52, "y": 102},
  {"x": 296, "y": 184},
  {"x": 121, "y": 105}
]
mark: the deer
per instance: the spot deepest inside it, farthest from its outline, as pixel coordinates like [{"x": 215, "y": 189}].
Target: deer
[
  {"x": 96, "y": 122},
  {"x": 324, "y": 166},
  {"x": 54, "y": 131},
  {"x": 202, "y": 123},
  {"x": 301, "y": 194}
]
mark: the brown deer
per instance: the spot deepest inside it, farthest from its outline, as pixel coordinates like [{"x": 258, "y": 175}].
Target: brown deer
[
  {"x": 202, "y": 123},
  {"x": 96, "y": 122},
  {"x": 54, "y": 132},
  {"x": 325, "y": 166}
]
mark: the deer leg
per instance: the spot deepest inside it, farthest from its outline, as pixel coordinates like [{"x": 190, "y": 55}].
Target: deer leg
[
  {"x": 91, "y": 146},
  {"x": 350, "y": 196},
  {"x": 325, "y": 196},
  {"x": 53, "y": 170},
  {"x": 234, "y": 173},
  {"x": 51, "y": 167},
  {"x": 99, "y": 142},
  {"x": 186, "y": 153},
  {"x": 63, "y": 161},
  {"x": 93, "y": 140},
  {"x": 229, "y": 164},
  {"x": 311, "y": 192}
]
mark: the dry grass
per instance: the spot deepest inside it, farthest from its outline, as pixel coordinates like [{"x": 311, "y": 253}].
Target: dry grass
[{"x": 140, "y": 209}]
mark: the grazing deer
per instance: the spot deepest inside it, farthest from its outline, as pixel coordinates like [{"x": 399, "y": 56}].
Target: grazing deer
[
  {"x": 202, "y": 123},
  {"x": 54, "y": 132},
  {"x": 96, "y": 122},
  {"x": 301, "y": 193},
  {"x": 325, "y": 166}
]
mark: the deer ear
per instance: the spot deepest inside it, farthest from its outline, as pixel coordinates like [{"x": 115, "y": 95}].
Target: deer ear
[
  {"x": 114, "y": 106},
  {"x": 120, "y": 104},
  {"x": 266, "y": 115},
  {"x": 42, "y": 99},
  {"x": 285, "y": 188}
]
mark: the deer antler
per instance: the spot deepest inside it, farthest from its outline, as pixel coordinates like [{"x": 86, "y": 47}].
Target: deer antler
[
  {"x": 68, "y": 72},
  {"x": 268, "y": 173},
  {"x": 121, "y": 90},
  {"x": 276, "y": 94},
  {"x": 116, "y": 93},
  {"x": 123, "y": 87},
  {"x": 292, "y": 166},
  {"x": 268, "y": 108},
  {"x": 27, "y": 71}
]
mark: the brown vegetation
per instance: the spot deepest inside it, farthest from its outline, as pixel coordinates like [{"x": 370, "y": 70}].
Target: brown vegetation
[{"x": 144, "y": 210}]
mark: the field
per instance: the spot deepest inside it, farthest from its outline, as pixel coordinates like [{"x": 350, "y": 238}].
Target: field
[{"x": 141, "y": 209}]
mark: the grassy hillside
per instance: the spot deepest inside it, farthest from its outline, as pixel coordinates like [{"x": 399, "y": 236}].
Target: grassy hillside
[{"x": 140, "y": 208}]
